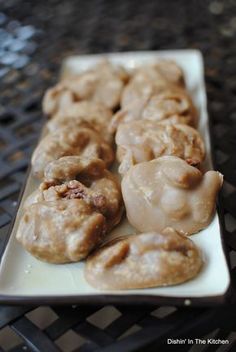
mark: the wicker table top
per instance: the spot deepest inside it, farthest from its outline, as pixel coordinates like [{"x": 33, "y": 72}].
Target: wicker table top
[{"x": 37, "y": 36}]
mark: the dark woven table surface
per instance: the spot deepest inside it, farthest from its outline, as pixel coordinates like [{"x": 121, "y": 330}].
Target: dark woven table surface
[{"x": 35, "y": 36}]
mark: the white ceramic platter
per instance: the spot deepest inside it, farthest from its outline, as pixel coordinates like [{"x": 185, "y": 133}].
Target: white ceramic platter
[{"x": 26, "y": 279}]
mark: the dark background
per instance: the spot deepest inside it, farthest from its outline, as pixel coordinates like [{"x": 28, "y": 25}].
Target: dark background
[{"x": 35, "y": 36}]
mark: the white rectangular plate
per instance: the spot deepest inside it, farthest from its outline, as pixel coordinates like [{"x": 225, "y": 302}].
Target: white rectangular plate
[{"x": 26, "y": 279}]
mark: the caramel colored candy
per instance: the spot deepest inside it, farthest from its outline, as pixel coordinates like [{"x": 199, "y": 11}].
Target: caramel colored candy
[
  {"x": 144, "y": 140},
  {"x": 72, "y": 177},
  {"x": 169, "y": 192},
  {"x": 172, "y": 105},
  {"x": 156, "y": 92},
  {"x": 101, "y": 84},
  {"x": 60, "y": 231},
  {"x": 151, "y": 79},
  {"x": 82, "y": 142},
  {"x": 83, "y": 114},
  {"x": 144, "y": 260}
]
